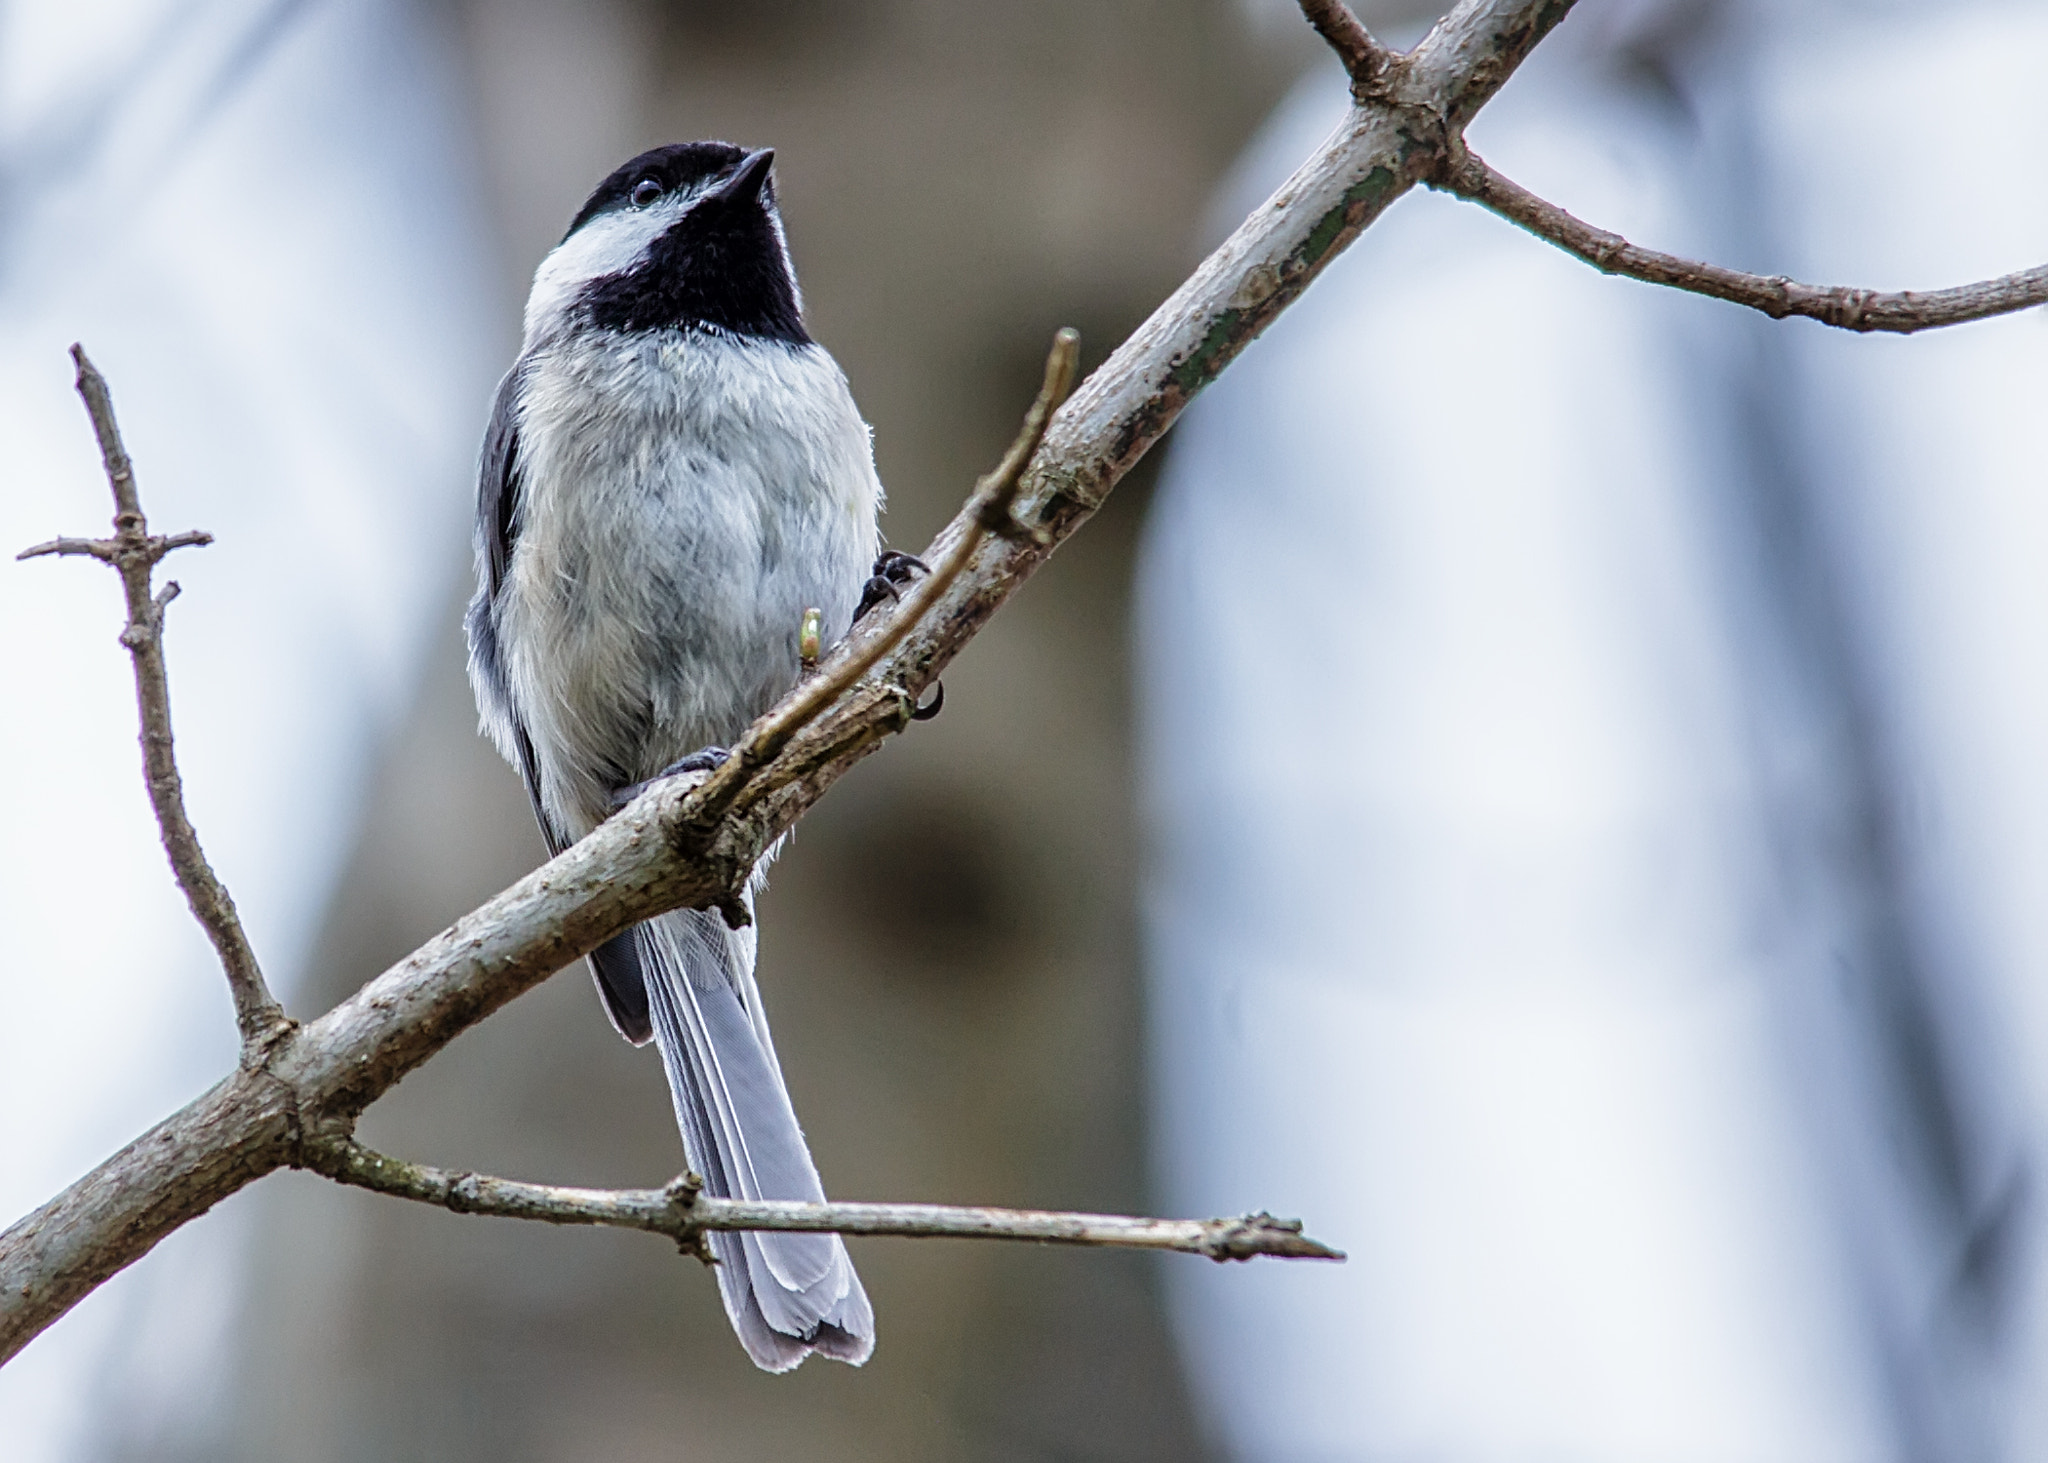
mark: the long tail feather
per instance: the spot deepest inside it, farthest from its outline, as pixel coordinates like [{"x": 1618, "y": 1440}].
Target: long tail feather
[{"x": 788, "y": 1294}]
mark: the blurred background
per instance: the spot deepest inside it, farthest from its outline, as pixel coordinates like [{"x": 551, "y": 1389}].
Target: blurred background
[{"x": 1545, "y": 785}]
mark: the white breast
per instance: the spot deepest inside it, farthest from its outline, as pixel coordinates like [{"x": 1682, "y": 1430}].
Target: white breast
[{"x": 684, "y": 499}]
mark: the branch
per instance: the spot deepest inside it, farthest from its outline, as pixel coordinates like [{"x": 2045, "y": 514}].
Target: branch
[
  {"x": 1900, "y": 312},
  {"x": 134, "y": 554},
  {"x": 669, "y": 848},
  {"x": 1365, "y": 59},
  {"x": 684, "y": 1213}
]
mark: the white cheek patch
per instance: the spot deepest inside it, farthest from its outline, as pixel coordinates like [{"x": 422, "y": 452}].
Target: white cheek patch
[{"x": 609, "y": 244}]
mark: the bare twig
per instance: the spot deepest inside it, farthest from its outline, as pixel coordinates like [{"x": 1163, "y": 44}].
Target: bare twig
[
  {"x": 1365, "y": 59},
  {"x": 1900, "y": 312},
  {"x": 659, "y": 853},
  {"x": 684, "y": 1213},
  {"x": 134, "y": 553},
  {"x": 107, "y": 550}
]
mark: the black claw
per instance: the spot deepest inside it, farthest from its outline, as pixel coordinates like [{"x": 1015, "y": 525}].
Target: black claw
[
  {"x": 932, "y": 707},
  {"x": 892, "y": 570},
  {"x": 704, "y": 759},
  {"x": 898, "y": 568},
  {"x": 875, "y": 592}
]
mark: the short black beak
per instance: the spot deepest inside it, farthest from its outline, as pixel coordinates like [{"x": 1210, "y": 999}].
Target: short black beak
[{"x": 746, "y": 183}]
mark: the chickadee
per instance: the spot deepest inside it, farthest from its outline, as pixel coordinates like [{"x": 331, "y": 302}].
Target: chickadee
[{"x": 673, "y": 473}]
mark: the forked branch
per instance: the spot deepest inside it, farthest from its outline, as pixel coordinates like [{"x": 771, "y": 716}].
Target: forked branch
[
  {"x": 134, "y": 553},
  {"x": 1373, "y": 69}
]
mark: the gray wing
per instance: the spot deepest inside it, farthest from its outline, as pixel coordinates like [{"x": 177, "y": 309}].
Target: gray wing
[
  {"x": 497, "y": 530},
  {"x": 616, "y": 964}
]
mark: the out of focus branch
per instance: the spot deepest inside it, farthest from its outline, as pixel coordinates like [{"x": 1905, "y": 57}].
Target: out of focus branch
[
  {"x": 134, "y": 554},
  {"x": 674, "y": 846},
  {"x": 684, "y": 1213},
  {"x": 1900, "y": 312}
]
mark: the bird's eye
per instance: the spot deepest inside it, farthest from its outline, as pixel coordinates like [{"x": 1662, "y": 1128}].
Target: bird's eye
[{"x": 645, "y": 192}]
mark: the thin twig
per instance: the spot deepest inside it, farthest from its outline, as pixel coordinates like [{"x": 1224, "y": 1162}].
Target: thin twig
[
  {"x": 1365, "y": 59},
  {"x": 733, "y": 785},
  {"x": 134, "y": 553},
  {"x": 107, "y": 551},
  {"x": 684, "y": 1213},
  {"x": 1900, "y": 312}
]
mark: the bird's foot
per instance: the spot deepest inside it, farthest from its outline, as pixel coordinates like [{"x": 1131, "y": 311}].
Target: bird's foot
[
  {"x": 892, "y": 570},
  {"x": 704, "y": 759}
]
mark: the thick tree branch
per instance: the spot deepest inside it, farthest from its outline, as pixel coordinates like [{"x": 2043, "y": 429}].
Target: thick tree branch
[
  {"x": 670, "y": 847},
  {"x": 684, "y": 1213},
  {"x": 1900, "y": 312},
  {"x": 134, "y": 554}
]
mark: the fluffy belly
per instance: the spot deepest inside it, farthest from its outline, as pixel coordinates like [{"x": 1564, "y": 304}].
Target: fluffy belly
[{"x": 671, "y": 541}]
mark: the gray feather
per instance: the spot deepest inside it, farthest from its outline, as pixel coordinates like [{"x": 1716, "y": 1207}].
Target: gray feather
[{"x": 787, "y": 1294}]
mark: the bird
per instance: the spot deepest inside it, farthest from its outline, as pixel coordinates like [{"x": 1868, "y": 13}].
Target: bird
[{"x": 673, "y": 474}]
